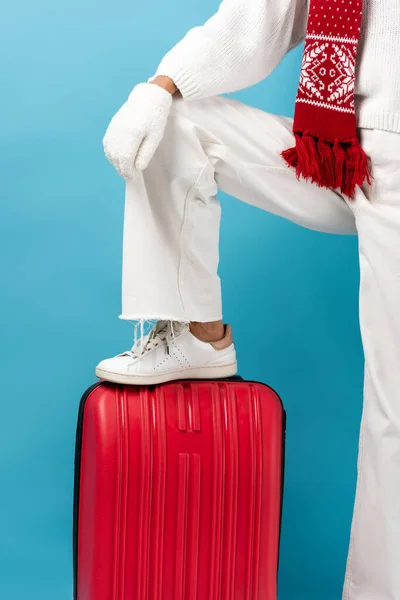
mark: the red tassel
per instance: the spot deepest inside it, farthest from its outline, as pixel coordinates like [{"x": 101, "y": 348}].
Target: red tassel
[
  {"x": 301, "y": 159},
  {"x": 314, "y": 160},
  {"x": 342, "y": 165},
  {"x": 291, "y": 156},
  {"x": 327, "y": 166}
]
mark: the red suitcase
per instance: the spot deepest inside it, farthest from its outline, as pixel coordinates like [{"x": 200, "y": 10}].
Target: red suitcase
[{"x": 178, "y": 492}]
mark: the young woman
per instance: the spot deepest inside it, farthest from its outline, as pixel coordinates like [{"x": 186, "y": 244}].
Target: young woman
[{"x": 176, "y": 142}]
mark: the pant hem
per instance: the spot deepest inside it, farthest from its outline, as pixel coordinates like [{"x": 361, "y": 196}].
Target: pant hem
[
  {"x": 147, "y": 317},
  {"x": 180, "y": 319}
]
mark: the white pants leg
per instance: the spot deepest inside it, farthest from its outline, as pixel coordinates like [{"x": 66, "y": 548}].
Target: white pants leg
[
  {"x": 373, "y": 566},
  {"x": 172, "y": 214}
]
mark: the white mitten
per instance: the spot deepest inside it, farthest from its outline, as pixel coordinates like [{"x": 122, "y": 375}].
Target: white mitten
[{"x": 137, "y": 129}]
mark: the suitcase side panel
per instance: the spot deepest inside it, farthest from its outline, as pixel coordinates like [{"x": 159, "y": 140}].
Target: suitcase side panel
[
  {"x": 102, "y": 497},
  {"x": 259, "y": 496},
  {"x": 77, "y": 477},
  {"x": 269, "y": 448}
]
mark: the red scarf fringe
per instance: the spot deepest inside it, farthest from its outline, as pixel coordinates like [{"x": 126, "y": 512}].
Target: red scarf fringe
[{"x": 337, "y": 165}]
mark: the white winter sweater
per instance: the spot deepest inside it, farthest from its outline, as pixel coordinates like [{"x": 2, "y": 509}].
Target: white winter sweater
[{"x": 246, "y": 39}]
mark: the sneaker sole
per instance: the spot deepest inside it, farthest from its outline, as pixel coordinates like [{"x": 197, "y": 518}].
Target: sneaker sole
[{"x": 211, "y": 372}]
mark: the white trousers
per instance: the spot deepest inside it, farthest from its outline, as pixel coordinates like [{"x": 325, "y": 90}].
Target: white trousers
[{"x": 170, "y": 264}]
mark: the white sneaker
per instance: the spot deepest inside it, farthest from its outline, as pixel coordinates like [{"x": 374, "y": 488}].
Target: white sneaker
[{"x": 169, "y": 352}]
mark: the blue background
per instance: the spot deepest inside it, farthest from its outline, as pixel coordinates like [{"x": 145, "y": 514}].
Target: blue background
[{"x": 66, "y": 68}]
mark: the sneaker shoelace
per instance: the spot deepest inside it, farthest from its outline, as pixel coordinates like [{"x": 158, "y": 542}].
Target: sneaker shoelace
[{"x": 162, "y": 332}]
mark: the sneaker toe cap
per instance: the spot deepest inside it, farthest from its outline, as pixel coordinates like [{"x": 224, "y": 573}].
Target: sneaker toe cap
[{"x": 119, "y": 364}]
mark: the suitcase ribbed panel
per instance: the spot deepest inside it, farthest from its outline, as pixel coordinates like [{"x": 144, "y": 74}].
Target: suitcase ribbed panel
[
  {"x": 187, "y": 533},
  {"x": 188, "y": 510},
  {"x": 232, "y": 487},
  {"x": 188, "y": 409},
  {"x": 121, "y": 506},
  {"x": 159, "y": 477},
  {"x": 195, "y": 409},
  {"x": 146, "y": 455},
  {"x": 218, "y": 496},
  {"x": 194, "y": 519},
  {"x": 255, "y": 494},
  {"x": 180, "y": 399},
  {"x": 179, "y": 492}
]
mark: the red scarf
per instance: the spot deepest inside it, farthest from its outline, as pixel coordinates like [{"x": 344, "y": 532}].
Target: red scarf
[{"x": 327, "y": 150}]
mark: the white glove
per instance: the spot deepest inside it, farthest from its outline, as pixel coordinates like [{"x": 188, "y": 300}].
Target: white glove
[{"x": 137, "y": 129}]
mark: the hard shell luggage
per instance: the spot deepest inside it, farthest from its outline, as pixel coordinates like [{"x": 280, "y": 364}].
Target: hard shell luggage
[{"x": 178, "y": 491}]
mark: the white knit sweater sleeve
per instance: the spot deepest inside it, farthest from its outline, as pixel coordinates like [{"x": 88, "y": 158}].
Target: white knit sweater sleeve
[{"x": 236, "y": 48}]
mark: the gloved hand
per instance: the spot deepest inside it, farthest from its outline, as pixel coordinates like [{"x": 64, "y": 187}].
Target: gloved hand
[{"x": 137, "y": 129}]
